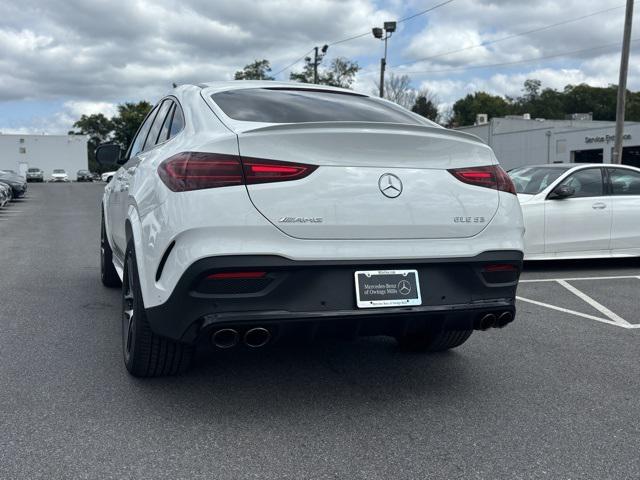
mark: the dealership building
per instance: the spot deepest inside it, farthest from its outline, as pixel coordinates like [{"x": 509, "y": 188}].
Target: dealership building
[
  {"x": 519, "y": 141},
  {"x": 47, "y": 152}
]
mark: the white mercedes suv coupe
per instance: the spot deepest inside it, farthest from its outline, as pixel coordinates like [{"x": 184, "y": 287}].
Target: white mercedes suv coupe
[{"x": 245, "y": 213}]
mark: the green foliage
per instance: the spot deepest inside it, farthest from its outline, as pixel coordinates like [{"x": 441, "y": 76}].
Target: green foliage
[
  {"x": 258, "y": 70},
  {"x": 426, "y": 106},
  {"x": 548, "y": 103},
  {"x": 466, "y": 109},
  {"x": 129, "y": 118},
  {"x": 119, "y": 129},
  {"x": 341, "y": 73},
  {"x": 98, "y": 128}
]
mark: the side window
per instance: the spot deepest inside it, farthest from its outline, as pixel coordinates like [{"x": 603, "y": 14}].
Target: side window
[
  {"x": 164, "y": 132},
  {"x": 178, "y": 122},
  {"x": 138, "y": 142},
  {"x": 624, "y": 182},
  {"x": 157, "y": 124},
  {"x": 587, "y": 183}
]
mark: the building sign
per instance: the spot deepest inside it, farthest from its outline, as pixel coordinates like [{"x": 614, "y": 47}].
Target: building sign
[{"x": 606, "y": 138}]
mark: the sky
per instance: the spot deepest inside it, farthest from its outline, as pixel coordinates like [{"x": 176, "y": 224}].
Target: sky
[{"x": 60, "y": 59}]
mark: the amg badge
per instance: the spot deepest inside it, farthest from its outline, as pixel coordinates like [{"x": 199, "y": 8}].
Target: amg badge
[{"x": 300, "y": 220}]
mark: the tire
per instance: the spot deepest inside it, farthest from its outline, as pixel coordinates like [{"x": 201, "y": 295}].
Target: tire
[
  {"x": 108, "y": 273},
  {"x": 434, "y": 342},
  {"x": 145, "y": 353}
]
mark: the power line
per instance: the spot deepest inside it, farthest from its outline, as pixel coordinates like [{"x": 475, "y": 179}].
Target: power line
[
  {"x": 517, "y": 62},
  {"x": 368, "y": 32},
  {"x": 508, "y": 37},
  {"x": 292, "y": 63}
]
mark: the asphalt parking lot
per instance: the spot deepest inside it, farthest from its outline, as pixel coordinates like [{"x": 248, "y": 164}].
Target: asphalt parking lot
[{"x": 554, "y": 395}]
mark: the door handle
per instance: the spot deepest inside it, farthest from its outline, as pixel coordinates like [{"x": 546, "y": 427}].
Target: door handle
[{"x": 599, "y": 206}]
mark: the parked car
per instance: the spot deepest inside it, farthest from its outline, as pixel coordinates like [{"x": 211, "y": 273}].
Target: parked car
[
  {"x": 17, "y": 182},
  {"x": 579, "y": 211},
  {"x": 96, "y": 177},
  {"x": 84, "y": 176},
  {"x": 6, "y": 194},
  {"x": 35, "y": 175},
  {"x": 273, "y": 210},
  {"x": 59, "y": 175},
  {"x": 107, "y": 176}
]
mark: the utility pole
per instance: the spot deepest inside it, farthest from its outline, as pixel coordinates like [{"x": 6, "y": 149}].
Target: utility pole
[
  {"x": 622, "y": 83},
  {"x": 389, "y": 28},
  {"x": 317, "y": 59}
]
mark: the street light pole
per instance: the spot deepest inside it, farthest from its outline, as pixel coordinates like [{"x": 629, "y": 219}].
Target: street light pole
[
  {"x": 622, "y": 84},
  {"x": 389, "y": 28},
  {"x": 317, "y": 59}
]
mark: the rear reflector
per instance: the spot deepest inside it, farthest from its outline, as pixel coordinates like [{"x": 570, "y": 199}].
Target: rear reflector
[
  {"x": 490, "y": 176},
  {"x": 499, "y": 267},
  {"x": 198, "y": 170},
  {"x": 235, "y": 275}
]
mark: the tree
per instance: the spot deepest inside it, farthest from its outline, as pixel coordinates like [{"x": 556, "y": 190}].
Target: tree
[
  {"x": 426, "y": 104},
  {"x": 397, "y": 89},
  {"x": 341, "y": 73},
  {"x": 466, "y": 109},
  {"x": 99, "y": 129},
  {"x": 258, "y": 70},
  {"x": 127, "y": 121}
]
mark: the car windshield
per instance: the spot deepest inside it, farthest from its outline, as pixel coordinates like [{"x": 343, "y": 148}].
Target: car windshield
[
  {"x": 533, "y": 180},
  {"x": 34, "y": 170},
  {"x": 57, "y": 170},
  {"x": 301, "y": 105}
]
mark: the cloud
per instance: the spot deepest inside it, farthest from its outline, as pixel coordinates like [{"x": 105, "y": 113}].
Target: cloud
[{"x": 89, "y": 56}]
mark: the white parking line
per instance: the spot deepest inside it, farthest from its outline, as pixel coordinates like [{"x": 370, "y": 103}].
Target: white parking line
[
  {"x": 577, "y": 279},
  {"x": 579, "y": 314},
  {"x": 598, "y": 306}
]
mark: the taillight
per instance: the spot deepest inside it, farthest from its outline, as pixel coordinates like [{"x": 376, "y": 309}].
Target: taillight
[
  {"x": 490, "y": 176},
  {"x": 264, "y": 171},
  {"x": 198, "y": 170}
]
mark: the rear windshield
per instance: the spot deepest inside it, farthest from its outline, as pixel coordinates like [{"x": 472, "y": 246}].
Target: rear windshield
[
  {"x": 301, "y": 106},
  {"x": 34, "y": 169},
  {"x": 532, "y": 180}
]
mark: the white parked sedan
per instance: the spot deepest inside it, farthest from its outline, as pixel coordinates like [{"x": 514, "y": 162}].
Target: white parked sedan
[
  {"x": 59, "y": 175},
  {"x": 579, "y": 211}
]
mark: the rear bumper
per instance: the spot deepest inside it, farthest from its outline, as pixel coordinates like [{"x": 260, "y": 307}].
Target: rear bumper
[{"x": 317, "y": 295}]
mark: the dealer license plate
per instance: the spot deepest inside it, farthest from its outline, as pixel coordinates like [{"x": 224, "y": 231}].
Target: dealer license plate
[{"x": 387, "y": 288}]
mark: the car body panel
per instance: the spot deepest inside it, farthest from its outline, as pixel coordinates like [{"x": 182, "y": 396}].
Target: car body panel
[{"x": 218, "y": 222}]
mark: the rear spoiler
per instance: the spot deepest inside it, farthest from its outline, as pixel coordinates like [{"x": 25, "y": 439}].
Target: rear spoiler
[{"x": 399, "y": 127}]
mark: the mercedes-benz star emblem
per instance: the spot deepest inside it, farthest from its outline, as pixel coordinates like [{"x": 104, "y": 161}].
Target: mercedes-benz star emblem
[
  {"x": 390, "y": 185},
  {"x": 404, "y": 287}
]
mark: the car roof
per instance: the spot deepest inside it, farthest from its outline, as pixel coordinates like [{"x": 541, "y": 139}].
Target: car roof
[{"x": 223, "y": 86}]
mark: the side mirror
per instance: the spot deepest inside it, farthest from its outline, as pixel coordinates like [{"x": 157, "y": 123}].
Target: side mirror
[
  {"x": 108, "y": 154},
  {"x": 562, "y": 191}
]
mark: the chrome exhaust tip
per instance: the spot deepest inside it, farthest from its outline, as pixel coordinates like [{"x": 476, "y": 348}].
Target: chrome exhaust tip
[
  {"x": 257, "y": 337},
  {"x": 486, "y": 322},
  {"x": 225, "y": 338},
  {"x": 504, "y": 319}
]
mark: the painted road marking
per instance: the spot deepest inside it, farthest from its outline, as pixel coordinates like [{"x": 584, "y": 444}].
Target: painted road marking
[
  {"x": 577, "y": 279},
  {"x": 612, "y": 318},
  {"x": 598, "y": 306}
]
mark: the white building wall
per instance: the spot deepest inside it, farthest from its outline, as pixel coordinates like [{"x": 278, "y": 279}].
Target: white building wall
[
  {"x": 19, "y": 152},
  {"x": 518, "y": 142}
]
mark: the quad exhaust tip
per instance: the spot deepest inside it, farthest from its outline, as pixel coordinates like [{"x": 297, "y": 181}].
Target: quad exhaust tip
[
  {"x": 225, "y": 338},
  {"x": 504, "y": 319},
  {"x": 488, "y": 321},
  {"x": 257, "y": 337}
]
